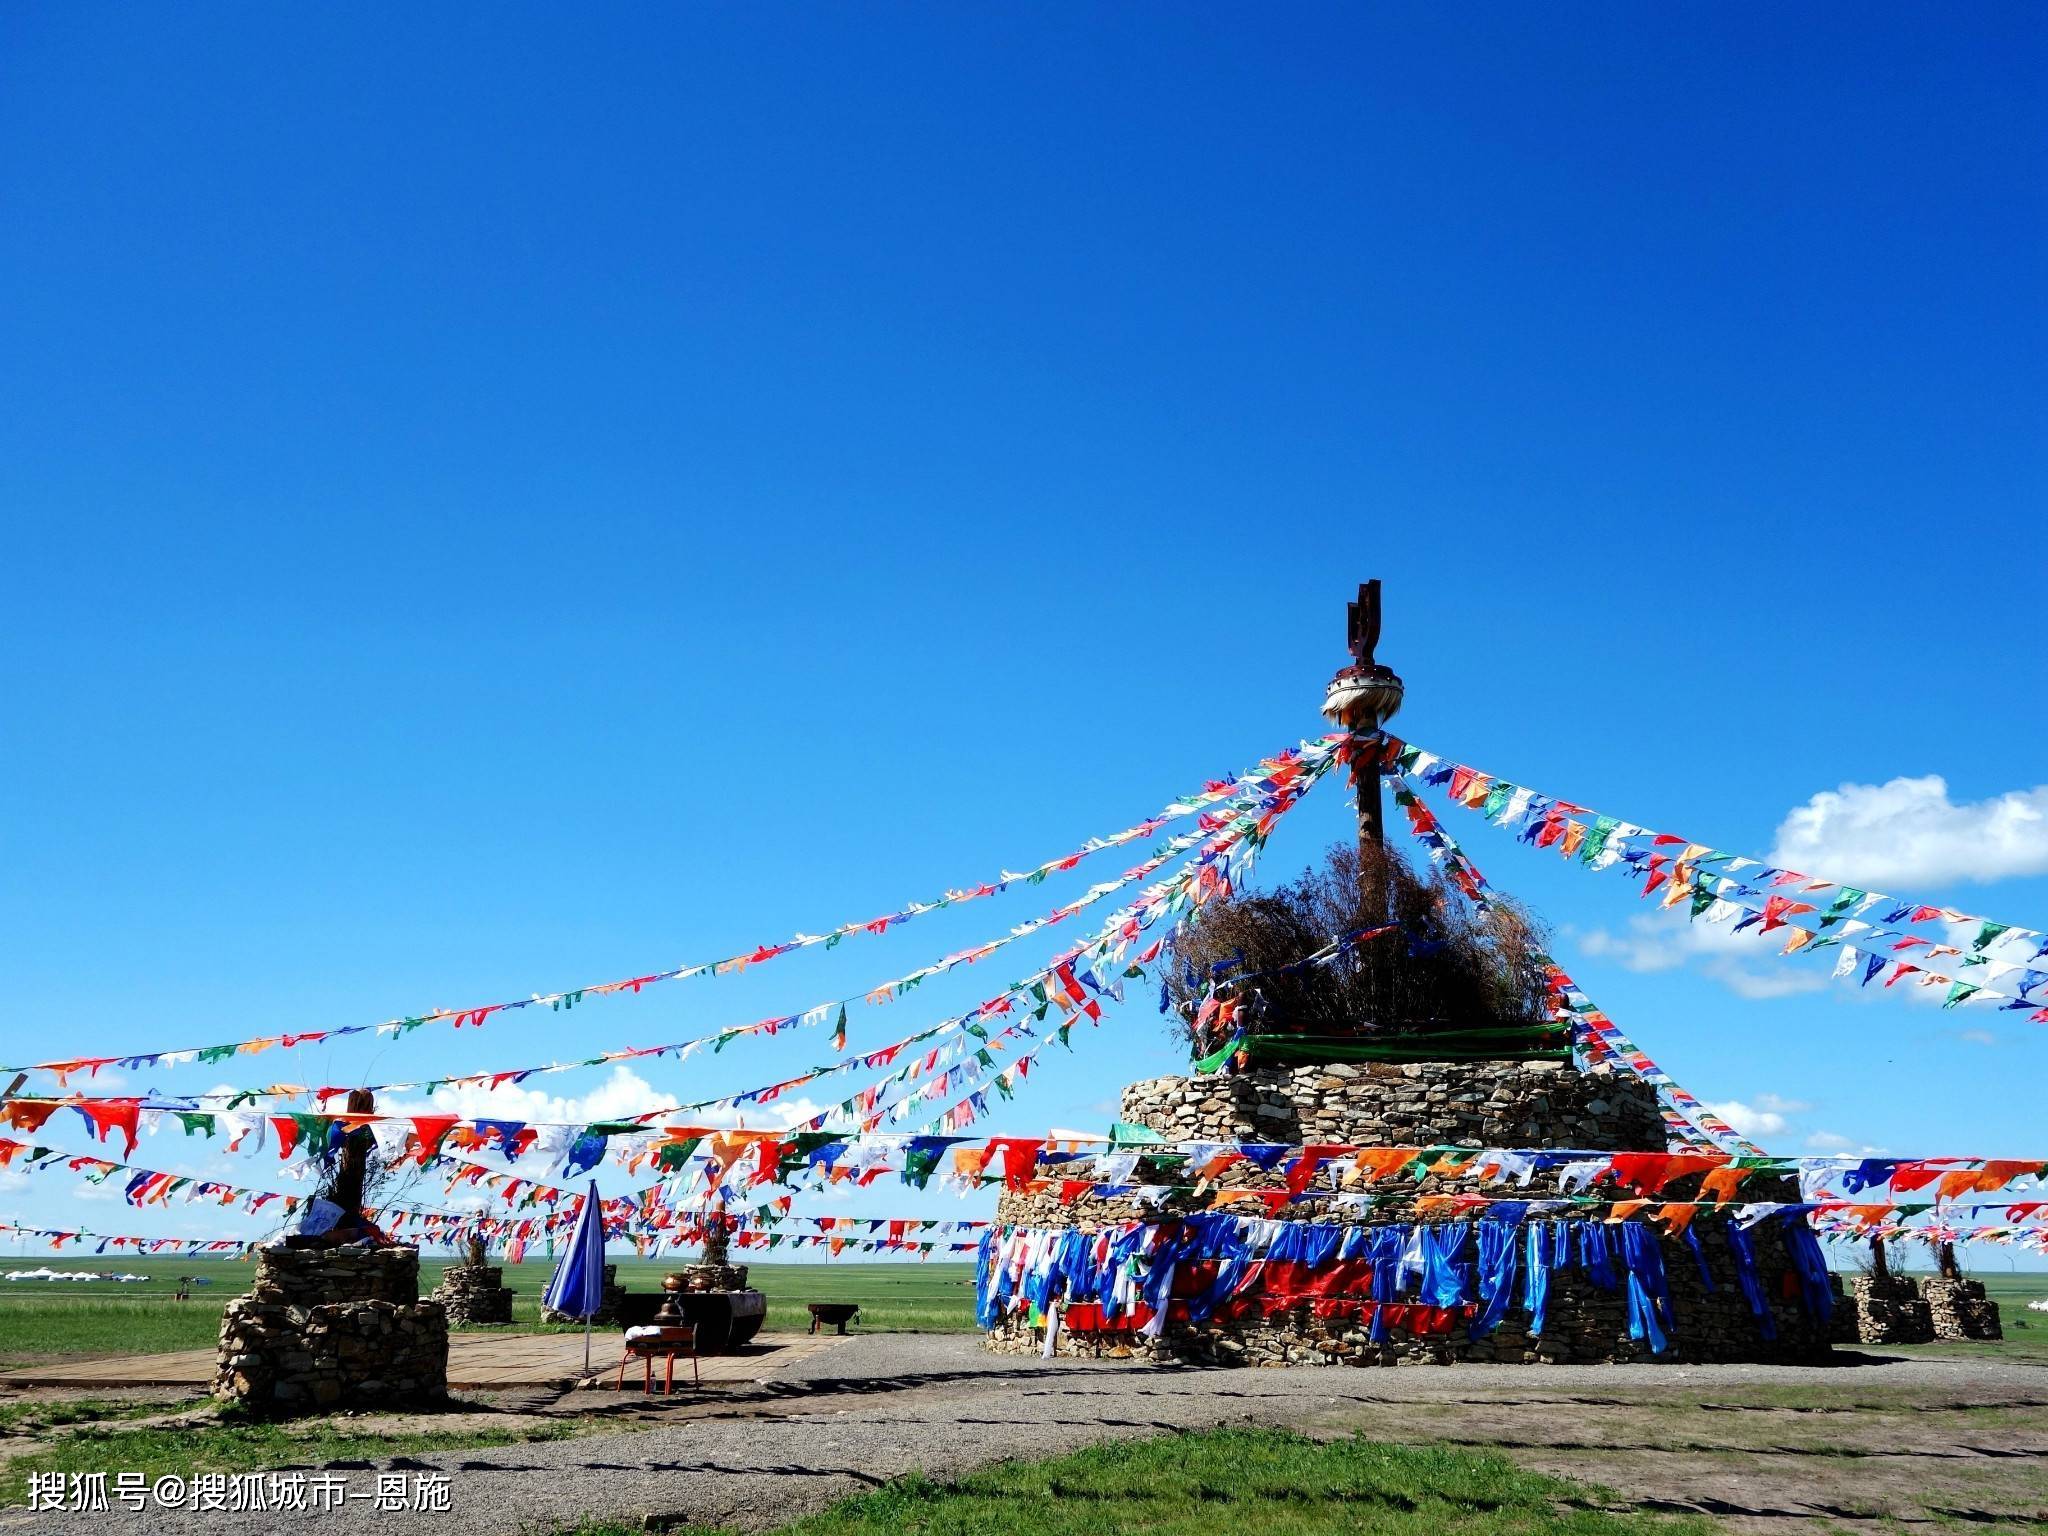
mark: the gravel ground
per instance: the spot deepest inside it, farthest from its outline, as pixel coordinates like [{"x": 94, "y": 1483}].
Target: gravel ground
[{"x": 1763, "y": 1447}]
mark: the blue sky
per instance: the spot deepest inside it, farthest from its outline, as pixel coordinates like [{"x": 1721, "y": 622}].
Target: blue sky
[{"x": 500, "y": 499}]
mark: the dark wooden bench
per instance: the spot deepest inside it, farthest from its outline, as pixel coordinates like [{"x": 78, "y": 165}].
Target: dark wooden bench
[{"x": 825, "y": 1313}]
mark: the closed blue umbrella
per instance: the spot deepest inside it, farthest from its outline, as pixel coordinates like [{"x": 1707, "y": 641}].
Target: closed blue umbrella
[{"x": 577, "y": 1285}]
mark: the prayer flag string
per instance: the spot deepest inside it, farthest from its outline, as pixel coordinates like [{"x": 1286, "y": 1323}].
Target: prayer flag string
[
  {"x": 1977, "y": 960},
  {"x": 1272, "y": 775}
]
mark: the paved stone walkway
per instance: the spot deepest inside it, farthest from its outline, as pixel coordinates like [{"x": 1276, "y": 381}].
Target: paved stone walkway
[{"x": 483, "y": 1362}]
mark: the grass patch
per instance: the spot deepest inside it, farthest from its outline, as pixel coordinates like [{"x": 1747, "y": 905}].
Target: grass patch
[
  {"x": 229, "y": 1445},
  {"x": 1236, "y": 1483},
  {"x": 35, "y": 1327},
  {"x": 2013, "y": 1349},
  {"x": 28, "y": 1416}
]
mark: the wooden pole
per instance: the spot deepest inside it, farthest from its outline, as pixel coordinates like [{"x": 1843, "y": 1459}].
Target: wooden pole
[
  {"x": 351, "y": 1174},
  {"x": 1361, "y": 698}
]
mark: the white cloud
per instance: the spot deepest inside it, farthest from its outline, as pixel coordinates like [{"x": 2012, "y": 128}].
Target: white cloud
[
  {"x": 1830, "y": 1141},
  {"x": 1977, "y": 1036},
  {"x": 1759, "y": 984},
  {"x": 1648, "y": 945},
  {"x": 1654, "y": 943},
  {"x": 107, "y": 1080},
  {"x": 1782, "y": 1105},
  {"x": 1768, "y": 1114},
  {"x": 759, "y": 1117},
  {"x": 1908, "y": 831},
  {"x": 620, "y": 1096},
  {"x": 1752, "y": 1120}
]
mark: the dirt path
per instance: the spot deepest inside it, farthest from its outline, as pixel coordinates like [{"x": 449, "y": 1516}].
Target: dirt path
[
  {"x": 1877, "y": 1446},
  {"x": 1773, "y": 1457}
]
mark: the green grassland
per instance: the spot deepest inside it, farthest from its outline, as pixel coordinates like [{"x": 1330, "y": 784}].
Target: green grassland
[
  {"x": 1237, "y": 1482},
  {"x": 2026, "y": 1333},
  {"x": 39, "y": 1319}
]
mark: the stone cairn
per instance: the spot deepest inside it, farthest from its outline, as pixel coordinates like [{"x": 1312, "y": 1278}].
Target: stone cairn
[
  {"x": 1959, "y": 1309},
  {"x": 607, "y": 1312},
  {"x": 333, "y": 1328},
  {"x": 1889, "y": 1309},
  {"x": 1476, "y": 1104},
  {"x": 474, "y": 1291}
]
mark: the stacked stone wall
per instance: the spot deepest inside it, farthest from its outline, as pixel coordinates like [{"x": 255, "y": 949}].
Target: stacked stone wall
[
  {"x": 1959, "y": 1309},
  {"x": 475, "y": 1294},
  {"x": 310, "y": 1277},
  {"x": 1889, "y": 1309},
  {"x": 1485, "y": 1104},
  {"x": 1482, "y": 1104},
  {"x": 333, "y": 1328},
  {"x": 1842, "y": 1315}
]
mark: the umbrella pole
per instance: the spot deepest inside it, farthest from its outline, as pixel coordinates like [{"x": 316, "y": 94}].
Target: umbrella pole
[{"x": 586, "y": 1343}]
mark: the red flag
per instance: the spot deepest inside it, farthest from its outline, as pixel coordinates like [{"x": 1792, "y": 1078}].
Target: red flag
[
  {"x": 1302, "y": 1171},
  {"x": 1778, "y": 908},
  {"x": 114, "y": 1114},
  {"x": 1020, "y": 1158},
  {"x": 429, "y": 1131}
]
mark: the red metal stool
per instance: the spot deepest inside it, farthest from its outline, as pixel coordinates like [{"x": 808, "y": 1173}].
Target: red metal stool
[{"x": 668, "y": 1342}]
